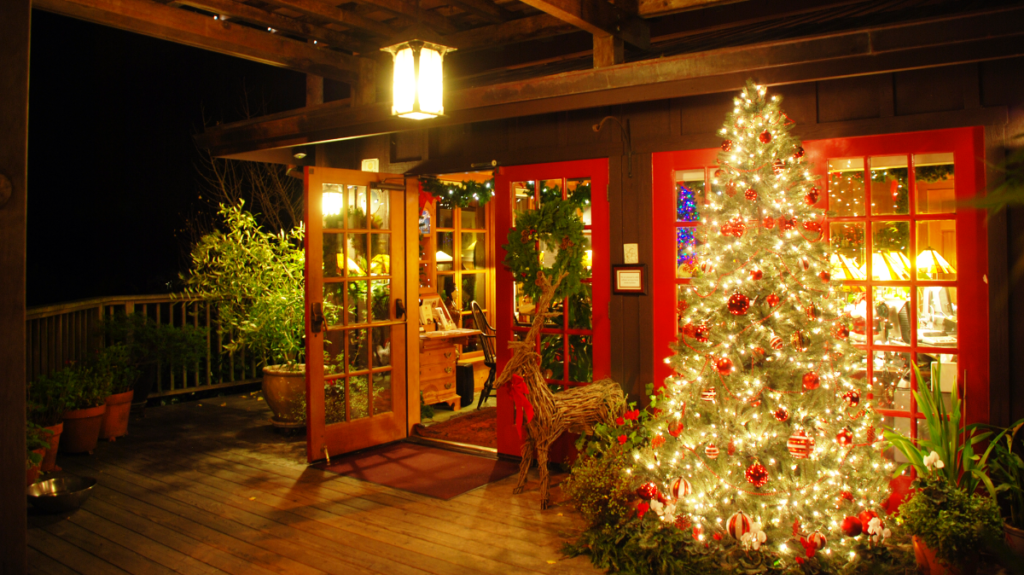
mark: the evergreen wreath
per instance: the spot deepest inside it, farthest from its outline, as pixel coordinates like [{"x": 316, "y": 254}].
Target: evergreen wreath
[
  {"x": 554, "y": 226},
  {"x": 460, "y": 194}
]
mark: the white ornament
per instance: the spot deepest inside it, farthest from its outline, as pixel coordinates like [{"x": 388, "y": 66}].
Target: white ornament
[
  {"x": 877, "y": 531},
  {"x": 753, "y": 538}
]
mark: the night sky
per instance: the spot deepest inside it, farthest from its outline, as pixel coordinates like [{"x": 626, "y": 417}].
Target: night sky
[{"x": 112, "y": 163}]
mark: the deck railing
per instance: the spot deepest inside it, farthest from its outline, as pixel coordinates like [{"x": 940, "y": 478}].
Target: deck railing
[{"x": 59, "y": 333}]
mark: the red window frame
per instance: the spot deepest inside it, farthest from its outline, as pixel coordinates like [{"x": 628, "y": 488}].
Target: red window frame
[
  {"x": 600, "y": 332},
  {"x": 967, "y": 146}
]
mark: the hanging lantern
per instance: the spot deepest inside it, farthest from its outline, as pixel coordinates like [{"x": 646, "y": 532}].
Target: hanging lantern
[{"x": 418, "y": 78}]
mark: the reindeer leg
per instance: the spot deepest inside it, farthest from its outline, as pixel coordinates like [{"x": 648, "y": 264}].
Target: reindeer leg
[
  {"x": 542, "y": 465},
  {"x": 524, "y": 465}
]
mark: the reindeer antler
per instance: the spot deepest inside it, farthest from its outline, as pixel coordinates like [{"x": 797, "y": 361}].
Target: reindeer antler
[{"x": 523, "y": 351}]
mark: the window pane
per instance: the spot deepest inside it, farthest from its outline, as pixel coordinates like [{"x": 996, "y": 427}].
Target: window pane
[
  {"x": 358, "y": 350},
  {"x": 380, "y": 299},
  {"x": 581, "y": 360},
  {"x": 334, "y": 352},
  {"x": 332, "y": 206},
  {"x": 846, "y": 186},
  {"x": 933, "y": 176},
  {"x": 890, "y": 185},
  {"x": 472, "y": 216},
  {"x": 936, "y": 250},
  {"x": 550, "y": 190},
  {"x": 690, "y": 193},
  {"x": 847, "y": 259},
  {"x": 890, "y": 258},
  {"x": 334, "y": 401},
  {"x": 334, "y": 255},
  {"x": 334, "y": 300},
  {"x": 524, "y": 306},
  {"x": 473, "y": 343},
  {"x": 359, "y": 401},
  {"x": 893, "y": 315},
  {"x": 380, "y": 251},
  {"x": 357, "y": 302},
  {"x": 381, "y": 346},
  {"x": 356, "y": 207},
  {"x": 580, "y": 310},
  {"x": 380, "y": 206},
  {"x": 686, "y": 256},
  {"x": 381, "y": 392},
  {"x": 474, "y": 251},
  {"x": 936, "y": 316},
  {"x": 356, "y": 256},
  {"x": 891, "y": 373},
  {"x": 449, "y": 290},
  {"x": 445, "y": 251},
  {"x": 579, "y": 194},
  {"x": 524, "y": 194},
  {"x": 588, "y": 255},
  {"x": 445, "y": 215},
  {"x": 552, "y": 356},
  {"x": 425, "y": 276},
  {"x": 474, "y": 288}
]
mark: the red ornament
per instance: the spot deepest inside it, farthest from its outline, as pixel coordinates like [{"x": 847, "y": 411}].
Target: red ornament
[
  {"x": 734, "y": 227},
  {"x": 647, "y": 491},
  {"x": 682, "y": 306},
  {"x": 840, "y": 331},
  {"x": 852, "y": 526},
  {"x": 778, "y": 166},
  {"x": 772, "y": 299},
  {"x": 805, "y": 264},
  {"x": 738, "y": 304},
  {"x": 723, "y": 365},
  {"x": 844, "y": 437},
  {"x": 731, "y": 448},
  {"x": 799, "y": 445},
  {"x": 811, "y": 198},
  {"x": 708, "y": 394},
  {"x": 750, "y": 194},
  {"x": 817, "y": 540},
  {"x": 707, "y": 267},
  {"x": 738, "y": 525},
  {"x": 866, "y": 516},
  {"x": 757, "y": 475},
  {"x": 786, "y": 224},
  {"x": 718, "y": 173},
  {"x": 680, "y": 488},
  {"x": 776, "y": 342},
  {"x": 844, "y": 496},
  {"x": 674, "y": 429},
  {"x": 811, "y": 380},
  {"x": 813, "y": 226},
  {"x": 726, "y": 145},
  {"x": 852, "y": 398},
  {"x": 782, "y": 414},
  {"x": 711, "y": 451},
  {"x": 756, "y": 274},
  {"x": 765, "y": 137},
  {"x": 700, "y": 333},
  {"x": 812, "y": 312},
  {"x": 870, "y": 434},
  {"x": 825, "y": 276},
  {"x": 768, "y": 222},
  {"x": 798, "y": 153}
]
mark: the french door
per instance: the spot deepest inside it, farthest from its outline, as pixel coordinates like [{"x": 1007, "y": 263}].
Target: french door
[{"x": 357, "y": 337}]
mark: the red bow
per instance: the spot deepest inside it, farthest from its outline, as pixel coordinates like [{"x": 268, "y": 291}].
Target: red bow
[
  {"x": 522, "y": 403},
  {"x": 425, "y": 196}
]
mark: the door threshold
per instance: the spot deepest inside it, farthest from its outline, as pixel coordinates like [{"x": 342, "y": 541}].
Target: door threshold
[{"x": 488, "y": 452}]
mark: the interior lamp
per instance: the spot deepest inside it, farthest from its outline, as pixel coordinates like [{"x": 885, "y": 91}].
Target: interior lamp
[
  {"x": 931, "y": 262},
  {"x": 845, "y": 268},
  {"x": 417, "y": 85},
  {"x": 885, "y": 269},
  {"x": 333, "y": 202}
]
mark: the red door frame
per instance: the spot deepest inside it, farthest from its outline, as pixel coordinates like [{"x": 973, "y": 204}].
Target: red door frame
[
  {"x": 967, "y": 145},
  {"x": 597, "y": 170}
]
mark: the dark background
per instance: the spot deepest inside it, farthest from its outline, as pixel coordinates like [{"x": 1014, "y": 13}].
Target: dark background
[{"x": 112, "y": 165}]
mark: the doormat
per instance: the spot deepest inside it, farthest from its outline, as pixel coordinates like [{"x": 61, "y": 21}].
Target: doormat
[
  {"x": 475, "y": 428},
  {"x": 420, "y": 469}
]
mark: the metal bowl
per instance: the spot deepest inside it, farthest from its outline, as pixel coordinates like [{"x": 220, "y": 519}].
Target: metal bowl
[{"x": 60, "y": 494}]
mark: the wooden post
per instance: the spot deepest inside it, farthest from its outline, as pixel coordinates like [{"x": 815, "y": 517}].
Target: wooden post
[
  {"x": 608, "y": 51},
  {"x": 365, "y": 91},
  {"x": 314, "y": 88},
  {"x": 14, "y": 49}
]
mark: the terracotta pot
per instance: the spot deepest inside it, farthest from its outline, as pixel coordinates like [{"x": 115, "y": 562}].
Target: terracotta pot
[
  {"x": 115, "y": 420},
  {"x": 33, "y": 472},
  {"x": 50, "y": 459},
  {"x": 82, "y": 429},
  {"x": 929, "y": 564},
  {"x": 285, "y": 392},
  {"x": 1014, "y": 539}
]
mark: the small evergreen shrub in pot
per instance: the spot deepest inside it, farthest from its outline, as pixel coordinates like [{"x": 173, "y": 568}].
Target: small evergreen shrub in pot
[{"x": 89, "y": 402}]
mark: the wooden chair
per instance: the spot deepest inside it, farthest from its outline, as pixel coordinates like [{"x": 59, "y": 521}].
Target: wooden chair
[{"x": 487, "y": 344}]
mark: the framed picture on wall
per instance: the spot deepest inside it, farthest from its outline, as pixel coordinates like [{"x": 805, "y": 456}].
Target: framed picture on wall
[{"x": 629, "y": 279}]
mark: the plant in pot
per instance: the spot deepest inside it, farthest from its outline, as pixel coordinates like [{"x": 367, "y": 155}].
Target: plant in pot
[
  {"x": 1006, "y": 469},
  {"x": 950, "y": 517},
  {"x": 113, "y": 364},
  {"x": 37, "y": 440},
  {"x": 256, "y": 280},
  {"x": 49, "y": 396},
  {"x": 88, "y": 403}
]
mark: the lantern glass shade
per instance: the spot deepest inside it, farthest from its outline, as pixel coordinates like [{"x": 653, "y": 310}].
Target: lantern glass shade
[{"x": 418, "y": 87}]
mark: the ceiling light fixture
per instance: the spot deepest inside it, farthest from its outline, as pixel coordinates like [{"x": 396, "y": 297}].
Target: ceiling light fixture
[{"x": 417, "y": 86}]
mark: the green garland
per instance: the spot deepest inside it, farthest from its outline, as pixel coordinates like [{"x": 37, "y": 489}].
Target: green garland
[
  {"x": 556, "y": 227},
  {"x": 460, "y": 194}
]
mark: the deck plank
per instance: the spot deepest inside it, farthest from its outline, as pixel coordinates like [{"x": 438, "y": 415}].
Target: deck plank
[
  {"x": 70, "y": 555},
  {"x": 39, "y": 564}
]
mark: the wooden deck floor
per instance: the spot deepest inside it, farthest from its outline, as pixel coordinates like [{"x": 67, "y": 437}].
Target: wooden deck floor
[{"x": 213, "y": 489}]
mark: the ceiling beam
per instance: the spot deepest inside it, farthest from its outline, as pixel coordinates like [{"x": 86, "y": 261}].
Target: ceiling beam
[
  {"x": 521, "y": 30},
  {"x": 485, "y": 9},
  {"x": 238, "y": 11},
  {"x": 946, "y": 41},
  {"x": 651, "y": 8},
  {"x": 194, "y": 29},
  {"x": 599, "y": 17},
  {"x": 335, "y": 15},
  {"x": 435, "y": 21}
]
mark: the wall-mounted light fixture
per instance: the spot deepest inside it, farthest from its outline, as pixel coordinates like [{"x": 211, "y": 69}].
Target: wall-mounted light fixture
[{"x": 418, "y": 87}]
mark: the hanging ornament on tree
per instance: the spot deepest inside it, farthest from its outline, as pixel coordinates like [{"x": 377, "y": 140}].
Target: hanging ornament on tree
[
  {"x": 776, "y": 342},
  {"x": 647, "y": 491},
  {"x": 708, "y": 394},
  {"x": 711, "y": 451},
  {"x": 799, "y": 445},
  {"x": 773, "y": 300},
  {"x": 798, "y": 153},
  {"x": 768, "y": 222},
  {"x": 812, "y": 312},
  {"x": 852, "y": 398},
  {"x": 738, "y": 304},
  {"x": 840, "y": 331},
  {"x": 682, "y": 306},
  {"x": 738, "y": 525},
  {"x": 812, "y": 197},
  {"x": 813, "y": 226},
  {"x": 778, "y": 166},
  {"x": 781, "y": 414},
  {"x": 765, "y": 137},
  {"x": 680, "y": 488},
  {"x": 811, "y": 380},
  {"x": 844, "y": 497},
  {"x": 756, "y": 274},
  {"x": 805, "y": 263},
  {"x": 844, "y": 437},
  {"x": 750, "y": 194},
  {"x": 786, "y": 224},
  {"x": 701, "y": 332},
  {"x": 707, "y": 267},
  {"x": 757, "y": 475},
  {"x": 731, "y": 447},
  {"x": 723, "y": 365},
  {"x": 825, "y": 276},
  {"x": 726, "y": 145},
  {"x": 870, "y": 434},
  {"x": 800, "y": 341},
  {"x": 719, "y": 173},
  {"x": 674, "y": 429},
  {"x": 818, "y": 540},
  {"x": 852, "y": 526}
]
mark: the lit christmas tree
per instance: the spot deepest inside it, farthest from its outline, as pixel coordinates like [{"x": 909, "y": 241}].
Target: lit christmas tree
[{"x": 765, "y": 439}]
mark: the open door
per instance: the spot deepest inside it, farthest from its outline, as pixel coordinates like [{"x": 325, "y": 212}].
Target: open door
[{"x": 358, "y": 342}]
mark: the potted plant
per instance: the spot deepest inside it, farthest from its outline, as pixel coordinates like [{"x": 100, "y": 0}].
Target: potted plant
[
  {"x": 88, "y": 401},
  {"x": 1007, "y": 471},
  {"x": 256, "y": 278},
  {"x": 36, "y": 441},
  {"x": 114, "y": 366},
  {"x": 949, "y": 516},
  {"x": 49, "y": 397}
]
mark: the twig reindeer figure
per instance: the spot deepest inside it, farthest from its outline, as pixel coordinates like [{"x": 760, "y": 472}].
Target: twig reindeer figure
[{"x": 546, "y": 414}]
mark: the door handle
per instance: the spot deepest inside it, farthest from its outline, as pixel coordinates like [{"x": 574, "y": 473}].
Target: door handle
[
  {"x": 399, "y": 308},
  {"x": 316, "y": 317}
]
